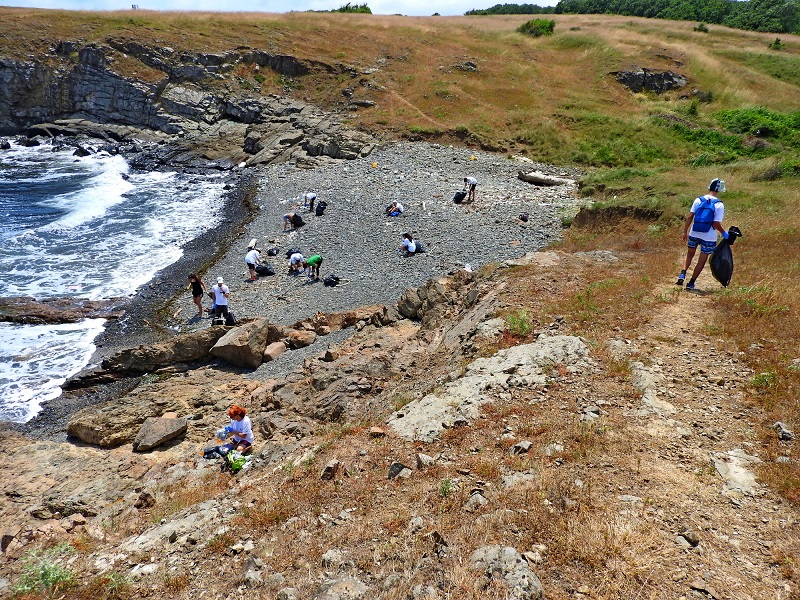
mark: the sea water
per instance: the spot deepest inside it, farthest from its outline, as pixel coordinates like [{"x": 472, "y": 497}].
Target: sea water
[{"x": 89, "y": 228}]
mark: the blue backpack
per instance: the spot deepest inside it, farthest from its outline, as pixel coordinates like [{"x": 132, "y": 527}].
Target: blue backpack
[{"x": 704, "y": 215}]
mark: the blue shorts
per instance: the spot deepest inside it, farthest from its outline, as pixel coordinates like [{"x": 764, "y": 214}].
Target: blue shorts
[{"x": 705, "y": 247}]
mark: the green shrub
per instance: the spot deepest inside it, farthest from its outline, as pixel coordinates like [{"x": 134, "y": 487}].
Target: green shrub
[
  {"x": 446, "y": 488},
  {"x": 777, "y": 44},
  {"x": 519, "y": 323},
  {"x": 41, "y": 572},
  {"x": 538, "y": 27},
  {"x": 701, "y": 27}
]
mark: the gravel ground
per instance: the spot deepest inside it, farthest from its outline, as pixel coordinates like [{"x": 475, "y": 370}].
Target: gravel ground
[{"x": 360, "y": 244}]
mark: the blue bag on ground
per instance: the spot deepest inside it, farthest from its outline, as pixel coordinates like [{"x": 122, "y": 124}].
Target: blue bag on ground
[{"x": 722, "y": 258}]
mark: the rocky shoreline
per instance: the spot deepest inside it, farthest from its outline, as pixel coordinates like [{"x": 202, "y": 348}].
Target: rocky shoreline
[{"x": 358, "y": 242}]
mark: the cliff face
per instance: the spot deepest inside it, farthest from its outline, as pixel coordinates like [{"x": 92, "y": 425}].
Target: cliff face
[{"x": 76, "y": 89}]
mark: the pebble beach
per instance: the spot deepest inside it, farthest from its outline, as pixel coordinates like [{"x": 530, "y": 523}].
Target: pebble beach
[{"x": 360, "y": 244}]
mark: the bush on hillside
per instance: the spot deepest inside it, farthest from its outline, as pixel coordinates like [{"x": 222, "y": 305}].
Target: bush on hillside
[
  {"x": 538, "y": 27},
  {"x": 701, "y": 27},
  {"x": 354, "y": 8}
]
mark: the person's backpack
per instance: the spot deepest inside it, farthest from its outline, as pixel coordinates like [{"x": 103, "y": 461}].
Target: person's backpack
[
  {"x": 297, "y": 220},
  {"x": 233, "y": 461},
  {"x": 331, "y": 280},
  {"x": 459, "y": 197},
  {"x": 704, "y": 215},
  {"x": 230, "y": 319},
  {"x": 321, "y": 206},
  {"x": 291, "y": 251},
  {"x": 265, "y": 270}
]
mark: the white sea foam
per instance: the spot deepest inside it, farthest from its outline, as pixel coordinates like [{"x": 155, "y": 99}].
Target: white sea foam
[
  {"x": 36, "y": 359},
  {"x": 104, "y": 237}
]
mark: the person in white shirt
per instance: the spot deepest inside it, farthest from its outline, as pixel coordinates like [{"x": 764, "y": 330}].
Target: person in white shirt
[
  {"x": 408, "y": 246},
  {"x": 308, "y": 200},
  {"x": 240, "y": 428},
  {"x": 472, "y": 183},
  {"x": 395, "y": 209},
  {"x": 296, "y": 263},
  {"x": 251, "y": 260},
  {"x": 221, "y": 293}
]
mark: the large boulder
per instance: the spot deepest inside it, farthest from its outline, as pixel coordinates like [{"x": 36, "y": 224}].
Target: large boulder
[
  {"x": 244, "y": 346},
  {"x": 184, "y": 348},
  {"x": 158, "y": 430},
  {"x": 117, "y": 422}
]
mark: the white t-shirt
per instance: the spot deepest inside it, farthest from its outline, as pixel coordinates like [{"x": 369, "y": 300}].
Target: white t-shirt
[
  {"x": 219, "y": 294},
  {"x": 295, "y": 259},
  {"x": 409, "y": 245},
  {"x": 472, "y": 181},
  {"x": 242, "y": 430},
  {"x": 719, "y": 213},
  {"x": 252, "y": 257},
  {"x": 399, "y": 207},
  {"x": 309, "y": 196}
]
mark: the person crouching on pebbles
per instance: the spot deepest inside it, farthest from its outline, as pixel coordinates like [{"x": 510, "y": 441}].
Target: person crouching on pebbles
[
  {"x": 296, "y": 261},
  {"x": 251, "y": 260},
  {"x": 408, "y": 245}
]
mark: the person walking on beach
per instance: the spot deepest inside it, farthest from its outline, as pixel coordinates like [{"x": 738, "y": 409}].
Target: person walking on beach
[
  {"x": 472, "y": 183},
  {"x": 312, "y": 265},
  {"x": 221, "y": 293},
  {"x": 705, "y": 220},
  {"x": 251, "y": 260},
  {"x": 198, "y": 291}
]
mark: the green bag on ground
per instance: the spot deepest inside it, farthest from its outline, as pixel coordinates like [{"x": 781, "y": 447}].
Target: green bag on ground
[{"x": 235, "y": 461}]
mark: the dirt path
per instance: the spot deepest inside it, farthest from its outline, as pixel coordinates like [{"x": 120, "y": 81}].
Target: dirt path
[{"x": 735, "y": 534}]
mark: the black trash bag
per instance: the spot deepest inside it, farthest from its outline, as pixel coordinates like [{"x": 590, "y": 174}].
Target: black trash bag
[
  {"x": 459, "y": 197},
  {"x": 722, "y": 258},
  {"x": 265, "y": 269}
]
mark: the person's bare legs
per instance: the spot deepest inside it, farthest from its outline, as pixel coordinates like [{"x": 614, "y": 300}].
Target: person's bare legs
[
  {"x": 689, "y": 257},
  {"x": 198, "y": 301},
  {"x": 698, "y": 268}
]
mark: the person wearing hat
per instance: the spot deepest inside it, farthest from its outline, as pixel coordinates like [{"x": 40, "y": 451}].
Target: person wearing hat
[
  {"x": 251, "y": 260},
  {"x": 221, "y": 293},
  {"x": 700, "y": 229}
]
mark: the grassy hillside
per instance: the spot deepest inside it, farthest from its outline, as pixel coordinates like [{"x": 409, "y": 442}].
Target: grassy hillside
[{"x": 552, "y": 99}]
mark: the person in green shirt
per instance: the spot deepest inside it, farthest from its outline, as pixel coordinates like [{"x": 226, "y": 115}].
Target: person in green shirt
[{"x": 312, "y": 265}]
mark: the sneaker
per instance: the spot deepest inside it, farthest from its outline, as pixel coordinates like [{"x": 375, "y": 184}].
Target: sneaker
[
  {"x": 689, "y": 287},
  {"x": 681, "y": 278}
]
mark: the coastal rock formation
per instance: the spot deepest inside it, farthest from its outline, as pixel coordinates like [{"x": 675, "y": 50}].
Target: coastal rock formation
[
  {"x": 184, "y": 348},
  {"x": 158, "y": 430},
  {"x": 31, "y": 311},
  {"x": 244, "y": 346},
  {"x": 181, "y": 103}
]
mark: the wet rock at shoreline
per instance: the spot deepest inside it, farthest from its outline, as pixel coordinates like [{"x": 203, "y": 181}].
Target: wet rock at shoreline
[{"x": 30, "y": 311}]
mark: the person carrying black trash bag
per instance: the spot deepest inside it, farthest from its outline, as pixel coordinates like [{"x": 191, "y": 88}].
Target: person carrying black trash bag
[{"x": 700, "y": 228}]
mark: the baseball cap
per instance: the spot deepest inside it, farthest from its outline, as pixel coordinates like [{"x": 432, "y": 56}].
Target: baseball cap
[{"x": 220, "y": 280}]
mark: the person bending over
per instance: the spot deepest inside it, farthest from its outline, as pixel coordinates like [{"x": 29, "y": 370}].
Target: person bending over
[
  {"x": 312, "y": 266},
  {"x": 472, "y": 183},
  {"x": 395, "y": 209},
  {"x": 251, "y": 260}
]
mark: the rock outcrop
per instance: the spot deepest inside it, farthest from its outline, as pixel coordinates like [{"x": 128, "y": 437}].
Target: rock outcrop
[{"x": 52, "y": 95}]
